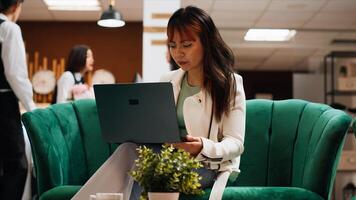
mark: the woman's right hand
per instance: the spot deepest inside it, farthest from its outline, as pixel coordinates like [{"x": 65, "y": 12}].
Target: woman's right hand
[{"x": 193, "y": 145}]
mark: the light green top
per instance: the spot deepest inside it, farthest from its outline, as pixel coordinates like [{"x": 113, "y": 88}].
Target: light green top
[{"x": 186, "y": 91}]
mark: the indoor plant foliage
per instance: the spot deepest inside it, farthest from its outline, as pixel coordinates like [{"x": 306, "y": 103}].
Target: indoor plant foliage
[{"x": 171, "y": 170}]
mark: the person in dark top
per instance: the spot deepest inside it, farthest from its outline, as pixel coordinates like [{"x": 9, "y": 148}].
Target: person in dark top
[{"x": 14, "y": 86}]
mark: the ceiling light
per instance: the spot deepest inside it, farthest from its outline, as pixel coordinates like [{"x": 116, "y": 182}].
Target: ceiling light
[
  {"x": 111, "y": 18},
  {"x": 68, "y": 5},
  {"x": 274, "y": 35}
]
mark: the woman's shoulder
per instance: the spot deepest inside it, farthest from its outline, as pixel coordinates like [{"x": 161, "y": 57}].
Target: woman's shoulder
[
  {"x": 170, "y": 75},
  {"x": 238, "y": 78},
  {"x": 239, "y": 83},
  {"x": 66, "y": 76}
]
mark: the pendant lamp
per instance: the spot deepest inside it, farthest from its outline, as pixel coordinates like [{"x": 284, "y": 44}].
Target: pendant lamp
[{"x": 111, "y": 17}]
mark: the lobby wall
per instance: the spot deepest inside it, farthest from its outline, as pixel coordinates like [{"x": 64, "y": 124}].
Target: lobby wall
[
  {"x": 118, "y": 50},
  {"x": 277, "y": 83}
]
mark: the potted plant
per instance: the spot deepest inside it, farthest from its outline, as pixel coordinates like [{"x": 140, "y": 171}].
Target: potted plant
[{"x": 164, "y": 175}]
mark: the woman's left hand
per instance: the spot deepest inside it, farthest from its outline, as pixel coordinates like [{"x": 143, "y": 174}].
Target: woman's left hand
[{"x": 193, "y": 145}]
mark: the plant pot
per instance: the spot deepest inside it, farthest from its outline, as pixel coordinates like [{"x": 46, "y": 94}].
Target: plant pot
[{"x": 163, "y": 195}]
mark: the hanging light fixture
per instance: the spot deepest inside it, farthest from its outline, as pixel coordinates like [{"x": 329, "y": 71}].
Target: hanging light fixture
[{"x": 111, "y": 17}]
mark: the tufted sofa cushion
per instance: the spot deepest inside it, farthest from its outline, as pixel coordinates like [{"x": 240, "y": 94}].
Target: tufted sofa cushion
[{"x": 292, "y": 149}]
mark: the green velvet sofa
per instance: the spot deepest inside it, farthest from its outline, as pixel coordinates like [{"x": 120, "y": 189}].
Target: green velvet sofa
[{"x": 292, "y": 149}]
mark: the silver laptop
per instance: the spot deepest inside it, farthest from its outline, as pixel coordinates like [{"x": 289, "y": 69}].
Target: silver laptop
[{"x": 138, "y": 112}]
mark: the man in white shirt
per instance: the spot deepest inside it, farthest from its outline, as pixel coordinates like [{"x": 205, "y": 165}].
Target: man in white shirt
[{"x": 14, "y": 86}]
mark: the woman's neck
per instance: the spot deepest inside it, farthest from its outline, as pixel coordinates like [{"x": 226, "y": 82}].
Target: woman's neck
[
  {"x": 195, "y": 77},
  {"x": 83, "y": 71},
  {"x": 10, "y": 16}
]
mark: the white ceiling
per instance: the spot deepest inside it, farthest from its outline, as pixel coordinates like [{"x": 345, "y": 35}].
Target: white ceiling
[{"x": 317, "y": 22}]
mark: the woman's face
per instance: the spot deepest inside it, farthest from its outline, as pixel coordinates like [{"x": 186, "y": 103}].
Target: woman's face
[
  {"x": 187, "y": 52},
  {"x": 90, "y": 61}
]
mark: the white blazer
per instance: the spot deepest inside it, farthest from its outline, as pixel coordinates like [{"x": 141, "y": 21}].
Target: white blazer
[{"x": 222, "y": 149}]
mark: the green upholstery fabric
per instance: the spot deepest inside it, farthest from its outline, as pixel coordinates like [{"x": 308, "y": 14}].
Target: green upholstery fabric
[
  {"x": 297, "y": 143},
  {"x": 66, "y": 144},
  {"x": 292, "y": 149},
  {"x": 354, "y": 126},
  {"x": 57, "y": 147},
  {"x": 60, "y": 193},
  {"x": 91, "y": 137},
  {"x": 258, "y": 193}
]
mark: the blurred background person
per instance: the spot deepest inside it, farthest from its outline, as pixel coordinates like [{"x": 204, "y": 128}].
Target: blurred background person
[{"x": 71, "y": 84}]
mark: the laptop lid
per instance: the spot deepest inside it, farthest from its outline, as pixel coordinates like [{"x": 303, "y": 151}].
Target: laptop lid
[{"x": 137, "y": 112}]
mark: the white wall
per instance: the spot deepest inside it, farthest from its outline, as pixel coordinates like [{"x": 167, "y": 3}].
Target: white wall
[
  {"x": 309, "y": 87},
  {"x": 154, "y": 54}
]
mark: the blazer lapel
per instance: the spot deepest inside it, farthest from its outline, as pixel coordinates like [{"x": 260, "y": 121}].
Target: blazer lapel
[{"x": 176, "y": 81}]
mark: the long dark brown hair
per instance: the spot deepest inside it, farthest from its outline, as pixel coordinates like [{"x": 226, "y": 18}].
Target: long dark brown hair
[
  {"x": 218, "y": 59},
  {"x": 77, "y": 58}
]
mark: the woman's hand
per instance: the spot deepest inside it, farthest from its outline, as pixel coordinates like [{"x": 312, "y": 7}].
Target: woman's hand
[{"x": 193, "y": 145}]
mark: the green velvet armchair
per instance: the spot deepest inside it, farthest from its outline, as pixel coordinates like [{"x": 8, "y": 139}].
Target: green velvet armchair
[{"x": 292, "y": 149}]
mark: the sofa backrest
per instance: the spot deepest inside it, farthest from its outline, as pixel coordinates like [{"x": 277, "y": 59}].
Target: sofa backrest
[
  {"x": 287, "y": 143},
  {"x": 57, "y": 147},
  {"x": 292, "y": 143},
  {"x": 66, "y": 143},
  {"x": 95, "y": 149}
]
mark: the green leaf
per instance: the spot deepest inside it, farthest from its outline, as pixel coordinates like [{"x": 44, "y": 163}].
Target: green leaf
[{"x": 171, "y": 170}]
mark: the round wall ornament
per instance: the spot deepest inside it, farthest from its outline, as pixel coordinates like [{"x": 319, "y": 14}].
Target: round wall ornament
[
  {"x": 102, "y": 76},
  {"x": 44, "y": 81}
]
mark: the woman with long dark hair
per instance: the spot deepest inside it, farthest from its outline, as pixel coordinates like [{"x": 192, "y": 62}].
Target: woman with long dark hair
[
  {"x": 14, "y": 86},
  {"x": 80, "y": 61},
  {"x": 210, "y": 104},
  {"x": 210, "y": 96}
]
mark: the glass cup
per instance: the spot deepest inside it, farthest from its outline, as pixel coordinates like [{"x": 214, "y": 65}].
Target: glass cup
[{"x": 109, "y": 196}]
